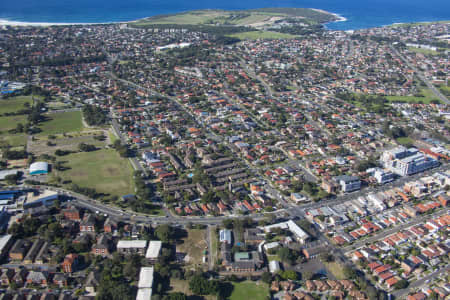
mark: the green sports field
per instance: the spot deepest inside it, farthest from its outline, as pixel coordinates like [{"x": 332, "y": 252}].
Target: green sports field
[
  {"x": 103, "y": 170},
  {"x": 268, "y": 35},
  {"x": 14, "y": 104},
  {"x": 250, "y": 290},
  {"x": 59, "y": 123},
  {"x": 427, "y": 94}
]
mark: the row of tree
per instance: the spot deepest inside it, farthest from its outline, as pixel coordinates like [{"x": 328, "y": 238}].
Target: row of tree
[{"x": 93, "y": 115}]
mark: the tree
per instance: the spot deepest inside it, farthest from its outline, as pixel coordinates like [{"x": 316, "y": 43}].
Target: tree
[
  {"x": 266, "y": 277},
  {"x": 327, "y": 257},
  {"x": 94, "y": 115},
  {"x": 86, "y": 147},
  {"x": 176, "y": 296},
  {"x": 228, "y": 223},
  {"x": 401, "y": 284},
  {"x": 16, "y": 230},
  {"x": 60, "y": 152},
  {"x": 199, "y": 285},
  {"x": 12, "y": 179},
  {"x": 349, "y": 272},
  {"x": 307, "y": 275},
  {"x": 285, "y": 255},
  {"x": 164, "y": 233},
  {"x": 20, "y": 128},
  {"x": 289, "y": 274}
]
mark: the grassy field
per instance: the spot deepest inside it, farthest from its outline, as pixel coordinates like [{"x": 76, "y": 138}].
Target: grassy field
[
  {"x": 254, "y": 17},
  {"x": 39, "y": 145},
  {"x": 250, "y": 290},
  {"x": 14, "y": 104},
  {"x": 59, "y": 123},
  {"x": 268, "y": 35},
  {"x": 212, "y": 17},
  {"x": 103, "y": 170},
  {"x": 428, "y": 96},
  {"x": 112, "y": 137},
  {"x": 10, "y": 122},
  {"x": 423, "y": 51},
  {"x": 14, "y": 140},
  {"x": 194, "y": 245},
  {"x": 335, "y": 269},
  {"x": 405, "y": 141},
  {"x": 445, "y": 90}
]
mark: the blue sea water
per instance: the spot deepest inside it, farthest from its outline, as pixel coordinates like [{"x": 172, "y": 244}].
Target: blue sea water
[{"x": 359, "y": 13}]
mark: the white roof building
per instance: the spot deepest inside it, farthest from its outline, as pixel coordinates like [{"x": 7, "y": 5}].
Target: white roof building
[
  {"x": 131, "y": 244},
  {"x": 225, "y": 236},
  {"x": 146, "y": 278},
  {"x": 271, "y": 245},
  {"x": 274, "y": 266},
  {"x": 4, "y": 240},
  {"x": 290, "y": 225},
  {"x": 144, "y": 294},
  {"x": 153, "y": 250},
  {"x": 4, "y": 173},
  {"x": 39, "y": 167}
]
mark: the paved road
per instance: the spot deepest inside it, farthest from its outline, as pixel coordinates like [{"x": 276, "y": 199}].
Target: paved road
[
  {"x": 296, "y": 163},
  {"x": 269, "y": 92},
  {"x": 419, "y": 283},
  {"x": 209, "y": 132},
  {"x": 422, "y": 77},
  {"x": 118, "y": 214},
  {"x": 133, "y": 160},
  {"x": 300, "y": 209},
  {"x": 395, "y": 229}
]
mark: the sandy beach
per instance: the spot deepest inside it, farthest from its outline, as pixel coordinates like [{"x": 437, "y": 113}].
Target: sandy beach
[
  {"x": 4, "y": 22},
  {"x": 338, "y": 17}
]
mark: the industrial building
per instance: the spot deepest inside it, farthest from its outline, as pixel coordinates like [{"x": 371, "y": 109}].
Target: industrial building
[{"x": 45, "y": 198}]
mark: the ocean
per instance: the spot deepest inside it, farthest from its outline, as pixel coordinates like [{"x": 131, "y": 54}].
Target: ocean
[{"x": 359, "y": 13}]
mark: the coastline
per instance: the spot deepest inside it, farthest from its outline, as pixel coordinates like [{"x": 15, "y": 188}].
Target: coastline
[
  {"x": 4, "y": 22},
  {"x": 337, "y": 16}
]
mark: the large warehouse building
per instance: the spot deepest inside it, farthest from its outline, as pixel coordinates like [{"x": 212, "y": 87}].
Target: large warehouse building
[{"x": 38, "y": 168}]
